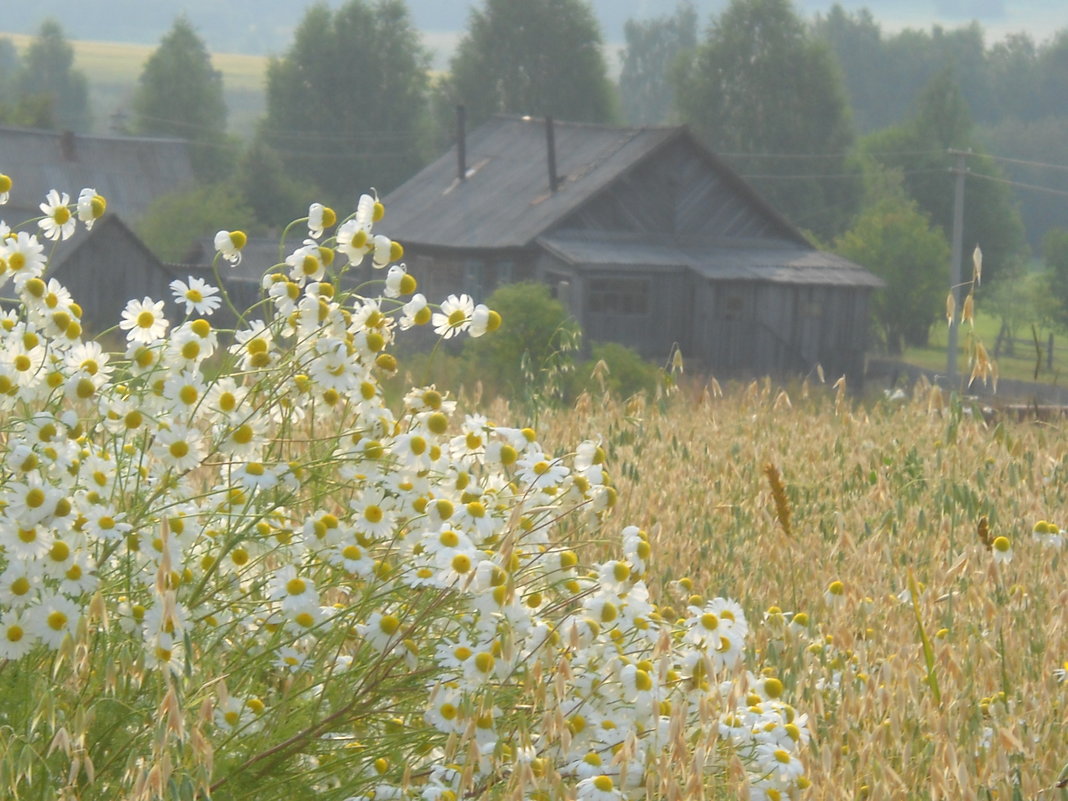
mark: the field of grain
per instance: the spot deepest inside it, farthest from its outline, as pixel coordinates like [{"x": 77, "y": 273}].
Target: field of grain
[
  {"x": 112, "y": 69},
  {"x": 936, "y": 672}
]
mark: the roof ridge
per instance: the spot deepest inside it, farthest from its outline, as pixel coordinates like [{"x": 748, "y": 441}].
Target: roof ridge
[{"x": 583, "y": 124}]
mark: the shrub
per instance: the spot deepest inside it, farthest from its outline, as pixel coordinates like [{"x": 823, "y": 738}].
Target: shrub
[{"x": 619, "y": 370}]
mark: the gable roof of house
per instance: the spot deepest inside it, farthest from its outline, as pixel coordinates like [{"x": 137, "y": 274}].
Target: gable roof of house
[
  {"x": 505, "y": 201},
  {"x": 130, "y": 172},
  {"x": 107, "y": 227}
]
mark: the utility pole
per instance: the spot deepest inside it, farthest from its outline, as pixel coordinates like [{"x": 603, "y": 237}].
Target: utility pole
[{"x": 954, "y": 265}]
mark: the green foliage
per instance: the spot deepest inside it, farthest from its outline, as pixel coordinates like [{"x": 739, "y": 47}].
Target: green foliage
[
  {"x": 267, "y": 189},
  {"x": 1043, "y": 141},
  {"x": 538, "y": 57},
  {"x": 646, "y": 94},
  {"x": 48, "y": 70},
  {"x": 532, "y": 352},
  {"x": 174, "y": 223},
  {"x": 180, "y": 94},
  {"x": 346, "y": 105},
  {"x": 1055, "y": 255},
  {"x": 918, "y": 148},
  {"x": 9, "y": 65},
  {"x": 28, "y": 111},
  {"x": 1012, "y": 78},
  {"x": 761, "y": 87},
  {"x": 618, "y": 370},
  {"x": 895, "y": 240}
]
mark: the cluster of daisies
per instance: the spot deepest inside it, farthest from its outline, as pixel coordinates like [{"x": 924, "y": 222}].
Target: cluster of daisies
[{"x": 243, "y": 510}]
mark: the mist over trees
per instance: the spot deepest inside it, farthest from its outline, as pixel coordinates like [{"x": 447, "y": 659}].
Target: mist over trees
[
  {"x": 347, "y": 103},
  {"x": 43, "y": 89},
  {"x": 537, "y": 57},
  {"x": 653, "y": 51},
  {"x": 180, "y": 94},
  {"x": 760, "y": 90}
]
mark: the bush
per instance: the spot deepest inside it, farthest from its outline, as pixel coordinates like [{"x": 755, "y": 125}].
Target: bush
[
  {"x": 619, "y": 370},
  {"x": 531, "y": 356}
]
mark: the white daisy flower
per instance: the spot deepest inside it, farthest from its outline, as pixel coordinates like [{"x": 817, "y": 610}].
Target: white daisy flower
[
  {"x": 198, "y": 295},
  {"x": 16, "y": 634},
  {"x": 91, "y": 207},
  {"x": 320, "y": 218},
  {"x": 229, "y": 245},
  {"x": 53, "y": 619},
  {"x": 454, "y": 317},
  {"x": 143, "y": 321},
  {"x": 58, "y": 222}
]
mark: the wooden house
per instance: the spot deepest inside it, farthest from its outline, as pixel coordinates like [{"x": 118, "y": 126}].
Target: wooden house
[
  {"x": 106, "y": 267},
  {"x": 645, "y": 235},
  {"x": 130, "y": 172}
]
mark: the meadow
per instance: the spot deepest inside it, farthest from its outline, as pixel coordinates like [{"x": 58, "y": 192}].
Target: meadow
[
  {"x": 234, "y": 564},
  {"x": 932, "y": 670}
]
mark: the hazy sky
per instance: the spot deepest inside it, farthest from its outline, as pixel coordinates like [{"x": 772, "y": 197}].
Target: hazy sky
[{"x": 266, "y": 26}]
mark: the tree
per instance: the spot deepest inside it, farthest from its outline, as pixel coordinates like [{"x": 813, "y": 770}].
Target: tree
[
  {"x": 856, "y": 40},
  {"x": 1055, "y": 255},
  {"x": 920, "y": 147},
  {"x": 528, "y": 356},
  {"x": 274, "y": 196},
  {"x": 346, "y": 105},
  {"x": 48, "y": 70},
  {"x": 27, "y": 111},
  {"x": 538, "y": 57},
  {"x": 173, "y": 223},
  {"x": 9, "y": 66},
  {"x": 896, "y": 241},
  {"x": 760, "y": 87},
  {"x": 180, "y": 94},
  {"x": 646, "y": 94}
]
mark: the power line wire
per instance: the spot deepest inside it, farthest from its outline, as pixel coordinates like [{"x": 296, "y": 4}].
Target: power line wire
[
  {"x": 1027, "y": 163},
  {"x": 1021, "y": 185}
]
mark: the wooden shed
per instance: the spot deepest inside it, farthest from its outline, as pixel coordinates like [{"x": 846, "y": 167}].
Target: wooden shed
[
  {"x": 647, "y": 236},
  {"x": 108, "y": 265},
  {"x": 105, "y": 268}
]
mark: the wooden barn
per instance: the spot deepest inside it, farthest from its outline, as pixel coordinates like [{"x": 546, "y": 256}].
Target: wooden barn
[
  {"x": 644, "y": 234},
  {"x": 108, "y": 265}
]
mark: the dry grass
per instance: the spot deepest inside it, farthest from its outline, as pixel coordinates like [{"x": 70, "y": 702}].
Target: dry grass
[{"x": 874, "y": 494}]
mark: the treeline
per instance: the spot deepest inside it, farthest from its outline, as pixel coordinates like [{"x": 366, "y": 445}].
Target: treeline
[{"x": 848, "y": 130}]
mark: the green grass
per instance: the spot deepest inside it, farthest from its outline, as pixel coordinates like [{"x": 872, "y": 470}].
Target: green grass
[{"x": 1019, "y": 366}]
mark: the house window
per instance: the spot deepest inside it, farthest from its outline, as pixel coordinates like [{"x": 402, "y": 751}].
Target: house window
[
  {"x": 627, "y": 296},
  {"x": 733, "y": 306},
  {"x": 475, "y": 279},
  {"x": 505, "y": 271}
]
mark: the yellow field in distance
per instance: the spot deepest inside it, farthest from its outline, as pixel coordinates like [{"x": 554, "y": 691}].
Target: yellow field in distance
[{"x": 122, "y": 62}]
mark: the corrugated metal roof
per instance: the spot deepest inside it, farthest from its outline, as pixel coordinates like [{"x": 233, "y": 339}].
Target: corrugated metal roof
[
  {"x": 129, "y": 172},
  {"x": 505, "y": 200},
  {"x": 751, "y": 261}
]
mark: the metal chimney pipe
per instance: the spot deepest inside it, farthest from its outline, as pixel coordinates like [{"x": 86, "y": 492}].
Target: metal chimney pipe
[
  {"x": 550, "y": 142},
  {"x": 461, "y": 142}
]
